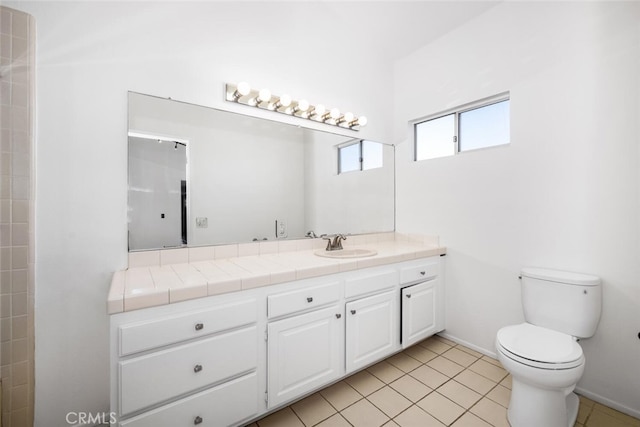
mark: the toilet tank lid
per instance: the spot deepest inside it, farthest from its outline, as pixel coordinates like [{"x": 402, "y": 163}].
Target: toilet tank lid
[{"x": 559, "y": 276}]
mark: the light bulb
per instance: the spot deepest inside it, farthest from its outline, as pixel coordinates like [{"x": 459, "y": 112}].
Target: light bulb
[
  {"x": 319, "y": 110},
  {"x": 263, "y": 96},
  {"x": 334, "y": 113},
  {"x": 243, "y": 88},
  {"x": 348, "y": 117},
  {"x": 285, "y": 101},
  {"x": 362, "y": 121},
  {"x": 303, "y": 105}
]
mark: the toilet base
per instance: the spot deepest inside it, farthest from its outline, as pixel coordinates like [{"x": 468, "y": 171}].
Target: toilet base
[{"x": 527, "y": 403}]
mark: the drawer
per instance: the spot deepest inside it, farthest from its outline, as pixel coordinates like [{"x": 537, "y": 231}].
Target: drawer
[
  {"x": 169, "y": 330},
  {"x": 224, "y": 405},
  {"x": 157, "y": 377},
  {"x": 302, "y": 299},
  {"x": 420, "y": 271},
  {"x": 371, "y": 283}
]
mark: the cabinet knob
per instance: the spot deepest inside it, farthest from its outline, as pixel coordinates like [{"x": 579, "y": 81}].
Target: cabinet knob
[
  {"x": 338, "y": 316},
  {"x": 309, "y": 299},
  {"x": 197, "y": 368},
  {"x": 353, "y": 312},
  {"x": 422, "y": 273},
  {"x": 408, "y": 295},
  {"x": 197, "y": 420},
  {"x": 199, "y": 326}
]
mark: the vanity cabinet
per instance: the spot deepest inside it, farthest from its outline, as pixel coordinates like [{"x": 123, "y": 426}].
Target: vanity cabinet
[
  {"x": 371, "y": 329},
  {"x": 305, "y": 348},
  {"x": 181, "y": 365}
]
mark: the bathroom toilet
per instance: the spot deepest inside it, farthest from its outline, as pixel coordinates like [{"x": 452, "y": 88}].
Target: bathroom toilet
[{"x": 543, "y": 355}]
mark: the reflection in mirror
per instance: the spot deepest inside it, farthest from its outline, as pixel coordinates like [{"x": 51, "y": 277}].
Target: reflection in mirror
[{"x": 248, "y": 179}]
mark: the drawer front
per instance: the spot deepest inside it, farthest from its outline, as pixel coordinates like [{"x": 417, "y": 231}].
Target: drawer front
[
  {"x": 421, "y": 271},
  {"x": 302, "y": 299},
  {"x": 169, "y": 330},
  {"x": 370, "y": 284},
  {"x": 224, "y": 405},
  {"x": 166, "y": 374}
]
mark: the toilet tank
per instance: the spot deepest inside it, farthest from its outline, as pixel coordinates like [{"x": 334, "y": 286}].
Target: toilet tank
[{"x": 563, "y": 301}]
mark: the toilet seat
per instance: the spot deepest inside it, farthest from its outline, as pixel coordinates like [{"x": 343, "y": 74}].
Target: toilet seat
[{"x": 539, "y": 347}]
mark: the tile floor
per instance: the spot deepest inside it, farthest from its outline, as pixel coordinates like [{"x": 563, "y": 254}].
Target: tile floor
[{"x": 434, "y": 383}]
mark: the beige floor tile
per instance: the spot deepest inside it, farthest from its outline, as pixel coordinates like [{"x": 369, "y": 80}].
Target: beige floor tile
[
  {"x": 475, "y": 382},
  {"x": 628, "y": 420},
  {"x": 313, "y": 409},
  {"x": 583, "y": 413},
  {"x": 410, "y": 388},
  {"x": 442, "y": 408},
  {"x": 416, "y": 417},
  {"x": 601, "y": 419},
  {"x": 391, "y": 423},
  {"x": 336, "y": 420},
  {"x": 283, "y": 418},
  {"x": 341, "y": 395},
  {"x": 460, "y": 357},
  {"x": 500, "y": 395},
  {"x": 420, "y": 353},
  {"x": 491, "y": 412},
  {"x": 385, "y": 372},
  {"x": 445, "y": 340},
  {"x": 460, "y": 394},
  {"x": 429, "y": 376},
  {"x": 445, "y": 366},
  {"x": 364, "y": 382},
  {"x": 491, "y": 360},
  {"x": 364, "y": 414},
  {"x": 477, "y": 354},
  {"x": 486, "y": 369},
  {"x": 470, "y": 420},
  {"x": 389, "y": 401},
  {"x": 404, "y": 362},
  {"x": 434, "y": 345},
  {"x": 507, "y": 382},
  {"x": 585, "y": 401}
]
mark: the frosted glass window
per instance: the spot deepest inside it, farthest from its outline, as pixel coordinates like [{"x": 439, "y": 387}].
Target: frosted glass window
[
  {"x": 486, "y": 126},
  {"x": 359, "y": 155},
  {"x": 435, "y": 138}
]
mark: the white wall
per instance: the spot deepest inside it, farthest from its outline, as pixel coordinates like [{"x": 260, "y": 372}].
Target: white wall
[
  {"x": 89, "y": 54},
  {"x": 564, "y": 194}
]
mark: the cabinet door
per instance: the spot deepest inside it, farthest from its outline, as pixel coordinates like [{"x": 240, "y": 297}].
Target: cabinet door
[
  {"x": 304, "y": 353},
  {"x": 371, "y": 325},
  {"x": 419, "y": 312}
]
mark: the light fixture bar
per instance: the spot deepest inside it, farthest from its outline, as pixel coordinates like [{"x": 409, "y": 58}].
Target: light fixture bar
[{"x": 242, "y": 93}]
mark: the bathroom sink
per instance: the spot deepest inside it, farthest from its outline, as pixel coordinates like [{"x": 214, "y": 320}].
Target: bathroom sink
[{"x": 347, "y": 253}]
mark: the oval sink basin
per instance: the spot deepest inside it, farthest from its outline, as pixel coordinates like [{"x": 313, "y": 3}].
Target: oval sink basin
[{"x": 347, "y": 253}]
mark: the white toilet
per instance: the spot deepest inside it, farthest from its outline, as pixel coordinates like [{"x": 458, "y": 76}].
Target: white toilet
[{"x": 543, "y": 355}]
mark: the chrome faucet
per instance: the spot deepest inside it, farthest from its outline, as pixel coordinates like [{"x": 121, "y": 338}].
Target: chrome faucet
[{"x": 336, "y": 243}]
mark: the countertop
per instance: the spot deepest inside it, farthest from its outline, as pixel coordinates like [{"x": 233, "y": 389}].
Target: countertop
[{"x": 200, "y": 272}]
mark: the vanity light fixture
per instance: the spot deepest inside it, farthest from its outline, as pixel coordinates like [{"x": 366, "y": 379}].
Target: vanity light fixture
[{"x": 263, "y": 98}]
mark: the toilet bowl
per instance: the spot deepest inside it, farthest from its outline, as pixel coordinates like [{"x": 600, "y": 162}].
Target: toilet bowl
[
  {"x": 543, "y": 355},
  {"x": 545, "y": 366}
]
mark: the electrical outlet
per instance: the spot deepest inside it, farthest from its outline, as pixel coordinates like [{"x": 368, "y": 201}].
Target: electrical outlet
[
  {"x": 202, "y": 222},
  {"x": 281, "y": 229}
]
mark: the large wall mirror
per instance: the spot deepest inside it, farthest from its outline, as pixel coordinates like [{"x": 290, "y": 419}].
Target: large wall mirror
[{"x": 201, "y": 176}]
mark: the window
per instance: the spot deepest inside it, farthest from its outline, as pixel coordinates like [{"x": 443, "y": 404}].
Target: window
[
  {"x": 359, "y": 155},
  {"x": 481, "y": 124}
]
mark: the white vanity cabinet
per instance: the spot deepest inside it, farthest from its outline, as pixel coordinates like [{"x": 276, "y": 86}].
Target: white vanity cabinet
[
  {"x": 180, "y": 363},
  {"x": 421, "y": 301},
  {"x": 305, "y": 340}
]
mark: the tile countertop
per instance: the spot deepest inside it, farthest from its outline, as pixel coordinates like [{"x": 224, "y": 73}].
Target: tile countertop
[{"x": 231, "y": 268}]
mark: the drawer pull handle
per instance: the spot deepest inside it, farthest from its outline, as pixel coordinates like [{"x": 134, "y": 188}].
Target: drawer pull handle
[
  {"x": 338, "y": 316},
  {"x": 353, "y": 312},
  {"x": 199, "y": 326},
  {"x": 422, "y": 273},
  {"x": 408, "y": 295},
  {"x": 197, "y": 420},
  {"x": 197, "y": 368},
  {"x": 309, "y": 299}
]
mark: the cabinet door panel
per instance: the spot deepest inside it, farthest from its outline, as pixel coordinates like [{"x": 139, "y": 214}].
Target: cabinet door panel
[
  {"x": 304, "y": 353},
  {"x": 371, "y": 325},
  {"x": 418, "y": 312}
]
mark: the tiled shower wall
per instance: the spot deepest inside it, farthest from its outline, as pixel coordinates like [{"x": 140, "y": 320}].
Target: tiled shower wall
[{"x": 17, "y": 43}]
